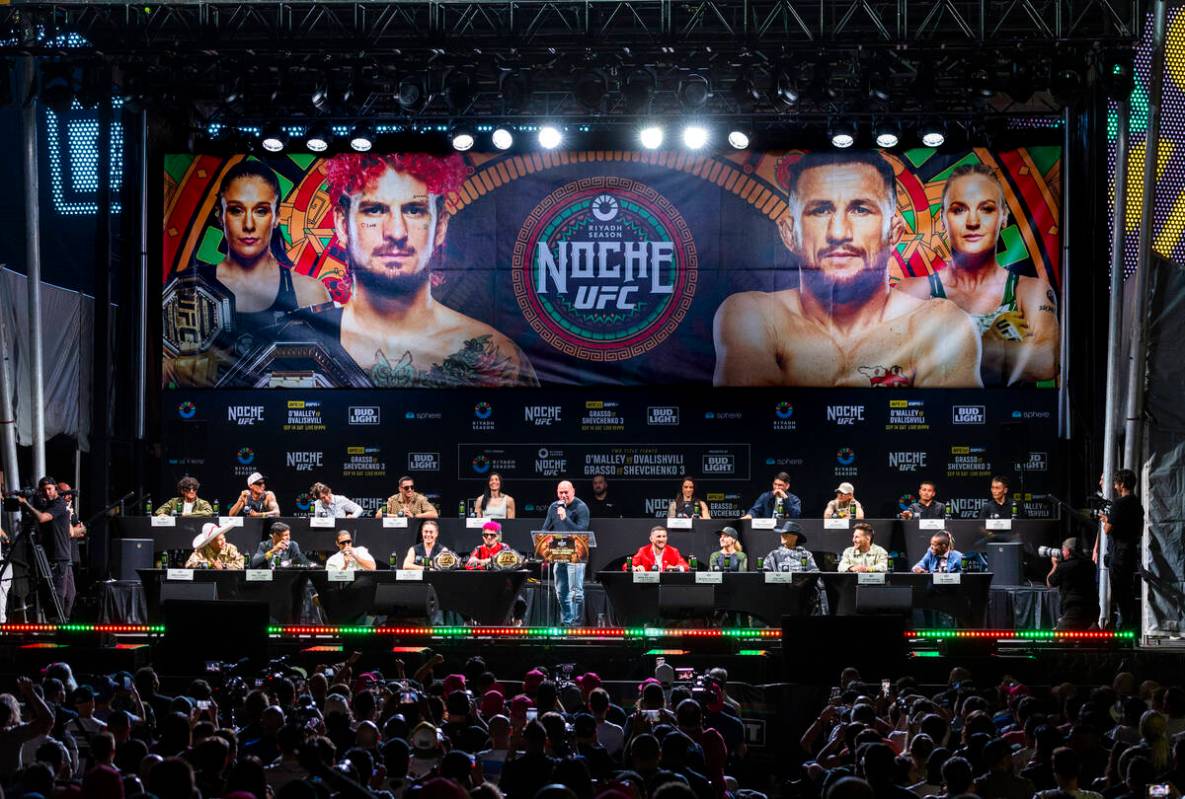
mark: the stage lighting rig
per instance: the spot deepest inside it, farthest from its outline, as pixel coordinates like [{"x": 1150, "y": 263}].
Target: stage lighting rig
[
  {"x": 933, "y": 133},
  {"x": 362, "y": 138},
  {"x": 502, "y": 139},
  {"x": 843, "y": 134},
  {"x": 412, "y": 93},
  {"x": 651, "y": 137},
  {"x": 273, "y": 139},
  {"x": 318, "y": 138},
  {"x": 514, "y": 87},
  {"x": 887, "y": 134},
  {"x": 550, "y": 137},
  {"x": 463, "y": 140},
  {"x": 738, "y": 140},
  {"x": 460, "y": 91},
  {"x": 638, "y": 91},
  {"x": 696, "y": 137},
  {"x": 694, "y": 92},
  {"x": 591, "y": 88}
]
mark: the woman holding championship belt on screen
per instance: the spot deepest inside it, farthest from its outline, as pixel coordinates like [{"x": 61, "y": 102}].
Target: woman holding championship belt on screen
[{"x": 1016, "y": 315}]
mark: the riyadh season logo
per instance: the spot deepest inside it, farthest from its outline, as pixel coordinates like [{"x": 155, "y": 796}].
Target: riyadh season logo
[
  {"x": 604, "y": 268},
  {"x": 844, "y": 456},
  {"x": 187, "y": 410},
  {"x": 245, "y": 456},
  {"x": 784, "y": 416},
  {"x": 483, "y": 410},
  {"x": 904, "y": 501},
  {"x": 481, "y": 464},
  {"x": 303, "y": 502}
]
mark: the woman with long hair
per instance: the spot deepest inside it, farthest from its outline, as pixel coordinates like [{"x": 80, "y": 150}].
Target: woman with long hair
[
  {"x": 493, "y": 504},
  {"x": 686, "y": 505}
]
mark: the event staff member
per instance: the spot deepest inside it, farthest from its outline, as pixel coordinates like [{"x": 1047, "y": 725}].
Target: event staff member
[
  {"x": 600, "y": 505},
  {"x": 329, "y": 504},
  {"x": 926, "y": 507},
  {"x": 349, "y": 557},
  {"x": 941, "y": 556},
  {"x": 687, "y": 505},
  {"x": 657, "y": 556},
  {"x": 568, "y": 514},
  {"x": 256, "y": 500},
  {"x": 845, "y": 505},
  {"x": 211, "y": 550},
  {"x": 998, "y": 507},
  {"x": 281, "y": 552},
  {"x": 77, "y": 528},
  {"x": 1074, "y": 575},
  {"x": 408, "y": 502},
  {"x": 778, "y": 502},
  {"x": 1124, "y": 526},
  {"x": 493, "y": 504},
  {"x": 187, "y": 502},
  {"x": 792, "y": 556},
  {"x": 53, "y": 518},
  {"x": 863, "y": 555},
  {"x": 419, "y": 556},
  {"x": 491, "y": 544},
  {"x": 730, "y": 557}
]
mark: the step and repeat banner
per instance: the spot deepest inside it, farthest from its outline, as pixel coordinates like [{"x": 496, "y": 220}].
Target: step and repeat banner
[{"x": 639, "y": 315}]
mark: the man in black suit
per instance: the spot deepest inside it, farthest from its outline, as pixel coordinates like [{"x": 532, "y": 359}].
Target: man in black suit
[{"x": 278, "y": 552}]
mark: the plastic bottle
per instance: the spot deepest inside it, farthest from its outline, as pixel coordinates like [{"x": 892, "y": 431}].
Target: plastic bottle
[
  {"x": 693, "y": 561},
  {"x": 461, "y": 514},
  {"x": 629, "y": 562},
  {"x": 760, "y": 563},
  {"x": 889, "y": 563},
  {"x": 217, "y": 506},
  {"x": 393, "y": 560},
  {"x": 947, "y": 510},
  {"x": 1015, "y": 509},
  {"x": 148, "y": 506}
]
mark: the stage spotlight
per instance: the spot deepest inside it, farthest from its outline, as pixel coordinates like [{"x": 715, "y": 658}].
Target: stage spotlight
[
  {"x": 933, "y": 134},
  {"x": 515, "y": 88},
  {"x": 412, "y": 93},
  {"x": 786, "y": 88},
  {"x": 502, "y": 139},
  {"x": 318, "y": 138},
  {"x": 462, "y": 141},
  {"x": 738, "y": 140},
  {"x": 651, "y": 137},
  {"x": 843, "y": 135},
  {"x": 274, "y": 139},
  {"x": 459, "y": 91},
  {"x": 550, "y": 137},
  {"x": 744, "y": 91},
  {"x": 591, "y": 88},
  {"x": 695, "y": 137},
  {"x": 361, "y": 139},
  {"x": 320, "y": 95},
  {"x": 888, "y": 134},
  {"x": 694, "y": 91}
]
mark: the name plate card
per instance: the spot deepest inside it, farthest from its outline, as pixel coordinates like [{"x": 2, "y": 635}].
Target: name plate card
[
  {"x": 327, "y": 522},
  {"x": 999, "y": 524},
  {"x": 646, "y": 577},
  {"x": 836, "y": 524},
  {"x": 477, "y": 522},
  {"x": 931, "y": 524},
  {"x": 678, "y": 524},
  {"x": 230, "y": 521},
  {"x": 409, "y": 575},
  {"x": 783, "y": 578},
  {"x": 395, "y": 521},
  {"x": 179, "y": 574},
  {"x": 948, "y": 578},
  {"x": 340, "y": 575},
  {"x": 164, "y": 521},
  {"x": 870, "y": 578},
  {"x": 709, "y": 578},
  {"x": 763, "y": 524},
  {"x": 259, "y": 575}
]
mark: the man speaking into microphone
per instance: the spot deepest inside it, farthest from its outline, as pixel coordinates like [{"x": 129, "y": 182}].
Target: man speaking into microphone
[{"x": 568, "y": 514}]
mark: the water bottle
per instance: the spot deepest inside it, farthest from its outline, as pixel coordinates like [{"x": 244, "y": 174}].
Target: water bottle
[
  {"x": 779, "y": 508},
  {"x": 393, "y": 561},
  {"x": 947, "y": 510},
  {"x": 217, "y": 506},
  {"x": 629, "y": 562},
  {"x": 760, "y": 563},
  {"x": 176, "y": 510},
  {"x": 657, "y": 566},
  {"x": 803, "y": 562},
  {"x": 148, "y": 506},
  {"x": 693, "y": 561},
  {"x": 461, "y": 514},
  {"x": 890, "y": 561},
  {"x": 1015, "y": 509}
]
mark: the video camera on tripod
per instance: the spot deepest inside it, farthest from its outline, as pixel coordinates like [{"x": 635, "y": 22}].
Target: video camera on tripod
[{"x": 11, "y": 503}]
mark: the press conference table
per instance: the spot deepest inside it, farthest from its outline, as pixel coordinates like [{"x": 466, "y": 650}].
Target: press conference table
[
  {"x": 678, "y": 593},
  {"x": 283, "y": 592}
]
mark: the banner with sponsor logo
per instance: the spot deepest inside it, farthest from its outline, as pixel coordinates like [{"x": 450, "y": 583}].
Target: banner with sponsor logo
[
  {"x": 613, "y": 268},
  {"x": 730, "y": 442}
]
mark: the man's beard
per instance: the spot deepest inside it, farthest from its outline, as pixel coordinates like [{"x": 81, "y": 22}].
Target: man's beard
[
  {"x": 388, "y": 282},
  {"x": 849, "y": 290}
]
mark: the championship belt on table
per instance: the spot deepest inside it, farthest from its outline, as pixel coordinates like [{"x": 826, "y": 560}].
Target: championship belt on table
[
  {"x": 446, "y": 560},
  {"x": 506, "y": 560}
]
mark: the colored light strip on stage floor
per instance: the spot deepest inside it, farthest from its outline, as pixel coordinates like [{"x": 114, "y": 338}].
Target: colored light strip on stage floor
[
  {"x": 511, "y": 633},
  {"x": 1028, "y": 635},
  {"x": 114, "y": 629}
]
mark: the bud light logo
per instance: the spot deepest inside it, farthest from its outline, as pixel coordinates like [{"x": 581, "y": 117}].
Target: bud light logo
[
  {"x": 303, "y": 502},
  {"x": 483, "y": 410},
  {"x": 481, "y": 464},
  {"x": 187, "y": 410},
  {"x": 245, "y": 456},
  {"x": 604, "y": 268},
  {"x": 844, "y": 456}
]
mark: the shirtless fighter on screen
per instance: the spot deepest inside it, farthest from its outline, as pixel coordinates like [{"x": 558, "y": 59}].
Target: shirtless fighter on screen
[
  {"x": 389, "y": 216},
  {"x": 843, "y": 325}
]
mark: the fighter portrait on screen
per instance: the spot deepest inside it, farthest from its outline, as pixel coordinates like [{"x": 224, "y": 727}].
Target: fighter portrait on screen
[{"x": 843, "y": 325}]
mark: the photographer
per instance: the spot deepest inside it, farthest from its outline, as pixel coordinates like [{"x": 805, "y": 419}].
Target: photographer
[
  {"x": 1073, "y": 575},
  {"x": 1124, "y": 527},
  {"x": 53, "y": 517}
]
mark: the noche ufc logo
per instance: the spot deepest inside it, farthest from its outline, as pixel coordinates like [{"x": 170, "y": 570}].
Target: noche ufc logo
[
  {"x": 604, "y": 268},
  {"x": 305, "y": 461},
  {"x": 542, "y": 415},
  {"x": 244, "y": 414}
]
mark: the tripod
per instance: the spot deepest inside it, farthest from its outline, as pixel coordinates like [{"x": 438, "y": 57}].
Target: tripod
[{"x": 42, "y": 580}]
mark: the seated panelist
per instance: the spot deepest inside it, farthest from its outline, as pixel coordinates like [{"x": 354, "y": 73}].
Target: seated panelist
[
  {"x": 211, "y": 550},
  {"x": 941, "y": 556},
  {"x": 349, "y": 557},
  {"x": 482, "y": 556},
  {"x": 419, "y": 556},
  {"x": 845, "y": 505},
  {"x": 863, "y": 555},
  {"x": 187, "y": 502},
  {"x": 658, "y": 555},
  {"x": 730, "y": 557},
  {"x": 279, "y": 551},
  {"x": 256, "y": 500}
]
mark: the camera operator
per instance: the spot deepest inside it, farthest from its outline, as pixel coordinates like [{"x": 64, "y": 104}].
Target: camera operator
[
  {"x": 1124, "y": 526},
  {"x": 53, "y": 516},
  {"x": 1073, "y": 575},
  {"x": 6, "y": 577}
]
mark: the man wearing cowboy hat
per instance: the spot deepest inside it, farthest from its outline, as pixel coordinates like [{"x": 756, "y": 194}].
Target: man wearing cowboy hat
[
  {"x": 256, "y": 500},
  {"x": 792, "y": 556},
  {"x": 211, "y": 550}
]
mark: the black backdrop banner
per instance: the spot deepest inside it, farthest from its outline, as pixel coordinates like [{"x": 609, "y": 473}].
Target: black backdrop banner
[{"x": 731, "y": 441}]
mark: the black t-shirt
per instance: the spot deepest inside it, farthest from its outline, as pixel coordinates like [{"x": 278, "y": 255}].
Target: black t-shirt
[
  {"x": 602, "y": 508},
  {"x": 996, "y": 510},
  {"x": 55, "y": 534},
  {"x": 1127, "y": 526},
  {"x": 1075, "y": 580}
]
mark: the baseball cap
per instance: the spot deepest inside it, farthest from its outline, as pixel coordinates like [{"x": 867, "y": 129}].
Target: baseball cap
[
  {"x": 425, "y": 737},
  {"x": 589, "y": 680},
  {"x": 533, "y": 679},
  {"x": 845, "y": 488},
  {"x": 729, "y": 531},
  {"x": 255, "y": 477}
]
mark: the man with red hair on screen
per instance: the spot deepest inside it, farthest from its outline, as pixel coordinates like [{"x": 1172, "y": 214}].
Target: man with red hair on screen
[{"x": 390, "y": 219}]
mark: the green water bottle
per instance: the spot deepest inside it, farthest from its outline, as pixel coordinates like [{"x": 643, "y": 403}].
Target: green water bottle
[
  {"x": 694, "y": 563},
  {"x": 760, "y": 563},
  {"x": 148, "y": 506},
  {"x": 629, "y": 562},
  {"x": 1015, "y": 509},
  {"x": 217, "y": 506},
  {"x": 461, "y": 510},
  {"x": 393, "y": 561}
]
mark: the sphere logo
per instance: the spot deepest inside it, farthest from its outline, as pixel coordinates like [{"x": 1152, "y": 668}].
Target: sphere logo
[
  {"x": 187, "y": 410},
  {"x": 481, "y": 464},
  {"x": 604, "y": 269},
  {"x": 783, "y": 410},
  {"x": 845, "y": 456},
  {"x": 245, "y": 456}
]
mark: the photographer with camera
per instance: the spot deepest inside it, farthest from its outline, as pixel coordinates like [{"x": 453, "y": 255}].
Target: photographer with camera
[
  {"x": 1123, "y": 524},
  {"x": 1073, "y": 575},
  {"x": 52, "y": 515}
]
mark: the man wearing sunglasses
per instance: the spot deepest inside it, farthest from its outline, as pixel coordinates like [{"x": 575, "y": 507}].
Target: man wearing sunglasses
[
  {"x": 408, "y": 502},
  {"x": 349, "y": 557},
  {"x": 491, "y": 544}
]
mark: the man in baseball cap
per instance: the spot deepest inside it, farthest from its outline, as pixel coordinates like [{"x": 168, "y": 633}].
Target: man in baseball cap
[{"x": 256, "y": 500}]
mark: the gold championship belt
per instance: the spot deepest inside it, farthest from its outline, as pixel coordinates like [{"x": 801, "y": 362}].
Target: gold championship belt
[
  {"x": 1009, "y": 326},
  {"x": 507, "y": 560},
  {"x": 446, "y": 560}
]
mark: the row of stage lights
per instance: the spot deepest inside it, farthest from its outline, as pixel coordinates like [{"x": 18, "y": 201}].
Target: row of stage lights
[{"x": 694, "y": 137}]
